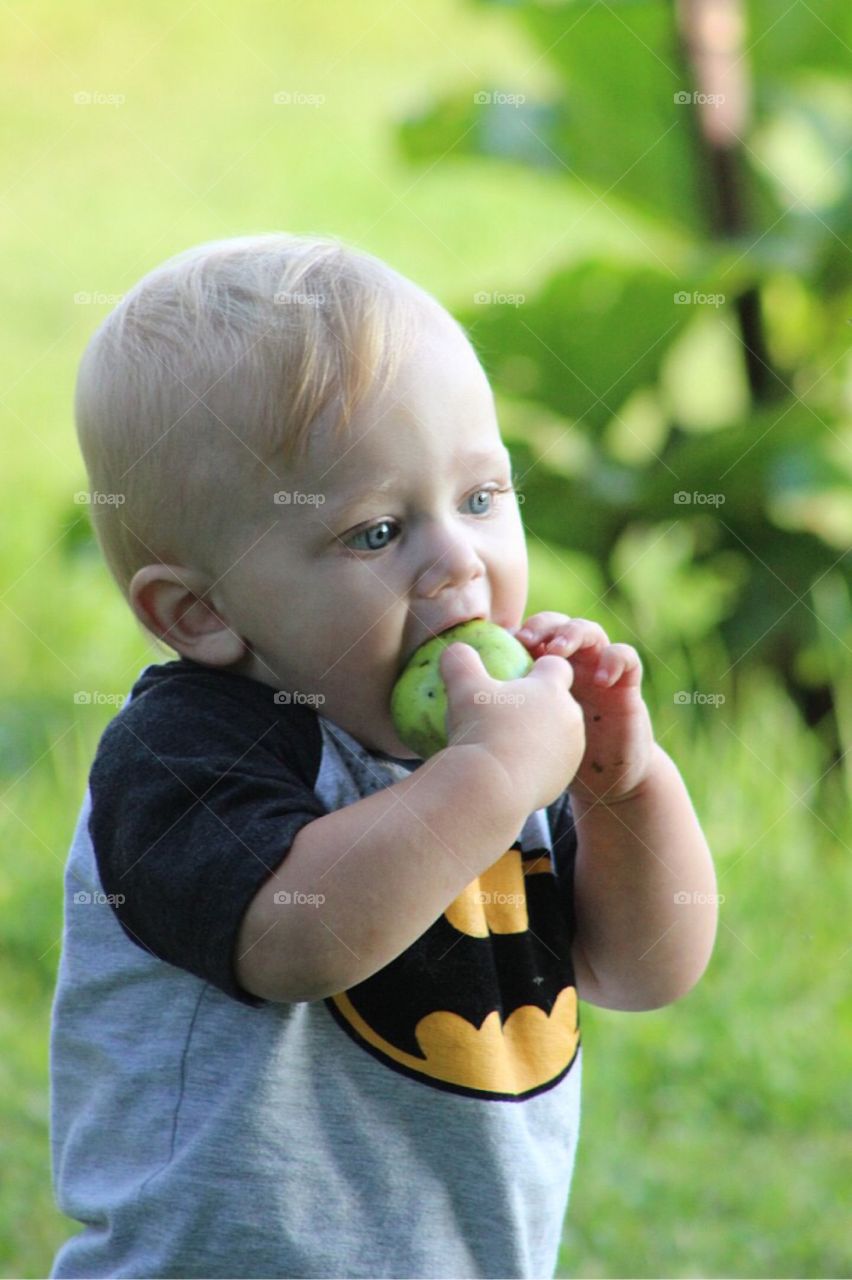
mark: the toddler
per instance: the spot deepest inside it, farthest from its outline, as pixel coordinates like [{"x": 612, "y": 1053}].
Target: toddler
[{"x": 317, "y": 1006}]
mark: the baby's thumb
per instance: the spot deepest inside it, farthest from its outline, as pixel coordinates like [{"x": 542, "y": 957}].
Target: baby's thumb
[{"x": 460, "y": 662}]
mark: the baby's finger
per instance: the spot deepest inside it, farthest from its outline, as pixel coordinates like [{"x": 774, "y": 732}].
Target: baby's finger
[
  {"x": 551, "y": 666},
  {"x": 619, "y": 664},
  {"x": 539, "y": 627},
  {"x": 579, "y": 634}
]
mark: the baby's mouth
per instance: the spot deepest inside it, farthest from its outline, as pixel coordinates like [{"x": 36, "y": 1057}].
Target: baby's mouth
[{"x": 454, "y": 621}]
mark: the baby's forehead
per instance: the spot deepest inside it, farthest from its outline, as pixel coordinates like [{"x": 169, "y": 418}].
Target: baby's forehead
[
  {"x": 434, "y": 411},
  {"x": 351, "y": 477}
]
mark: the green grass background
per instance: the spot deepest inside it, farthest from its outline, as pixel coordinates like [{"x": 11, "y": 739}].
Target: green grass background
[{"x": 715, "y": 1135}]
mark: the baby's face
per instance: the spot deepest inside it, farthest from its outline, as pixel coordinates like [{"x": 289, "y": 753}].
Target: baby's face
[{"x": 405, "y": 525}]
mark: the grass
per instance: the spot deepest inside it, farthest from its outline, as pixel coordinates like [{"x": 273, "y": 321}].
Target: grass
[{"x": 714, "y": 1131}]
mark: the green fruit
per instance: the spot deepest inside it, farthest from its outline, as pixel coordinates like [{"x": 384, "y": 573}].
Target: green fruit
[{"x": 419, "y": 698}]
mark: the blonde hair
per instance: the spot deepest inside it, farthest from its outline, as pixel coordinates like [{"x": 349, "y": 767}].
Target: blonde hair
[{"x": 213, "y": 370}]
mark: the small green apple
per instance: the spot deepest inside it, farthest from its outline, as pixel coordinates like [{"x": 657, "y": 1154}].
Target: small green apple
[{"x": 419, "y": 698}]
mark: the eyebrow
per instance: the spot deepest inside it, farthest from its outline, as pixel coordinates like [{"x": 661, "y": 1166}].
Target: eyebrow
[{"x": 479, "y": 458}]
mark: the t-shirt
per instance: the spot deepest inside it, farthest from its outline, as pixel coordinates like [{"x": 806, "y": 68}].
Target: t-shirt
[{"x": 422, "y": 1123}]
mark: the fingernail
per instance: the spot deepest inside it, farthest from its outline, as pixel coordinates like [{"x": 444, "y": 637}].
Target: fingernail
[{"x": 524, "y": 634}]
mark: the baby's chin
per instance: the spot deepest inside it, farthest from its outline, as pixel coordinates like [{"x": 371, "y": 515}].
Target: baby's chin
[
  {"x": 383, "y": 740},
  {"x": 389, "y": 744}
]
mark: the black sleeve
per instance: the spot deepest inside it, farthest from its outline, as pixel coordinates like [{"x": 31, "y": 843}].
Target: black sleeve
[
  {"x": 564, "y": 836},
  {"x": 195, "y": 801}
]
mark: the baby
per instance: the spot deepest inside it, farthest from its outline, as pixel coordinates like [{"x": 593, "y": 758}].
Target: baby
[{"x": 316, "y": 1012}]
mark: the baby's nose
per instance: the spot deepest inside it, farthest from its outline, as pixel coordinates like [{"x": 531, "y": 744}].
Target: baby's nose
[{"x": 450, "y": 559}]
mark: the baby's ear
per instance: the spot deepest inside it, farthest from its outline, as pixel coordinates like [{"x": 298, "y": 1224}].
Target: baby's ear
[{"x": 169, "y": 602}]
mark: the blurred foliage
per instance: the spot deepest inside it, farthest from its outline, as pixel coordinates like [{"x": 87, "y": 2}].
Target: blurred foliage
[
  {"x": 715, "y": 495},
  {"x": 715, "y": 1131}
]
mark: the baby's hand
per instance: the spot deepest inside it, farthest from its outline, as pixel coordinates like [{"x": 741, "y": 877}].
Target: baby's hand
[{"x": 607, "y": 679}]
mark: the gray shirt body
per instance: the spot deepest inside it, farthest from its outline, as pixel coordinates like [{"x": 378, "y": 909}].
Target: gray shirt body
[{"x": 421, "y": 1124}]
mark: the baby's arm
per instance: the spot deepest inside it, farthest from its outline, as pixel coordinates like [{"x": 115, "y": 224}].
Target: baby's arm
[
  {"x": 389, "y": 865},
  {"x": 644, "y": 886},
  {"x": 644, "y": 894},
  {"x": 386, "y": 867}
]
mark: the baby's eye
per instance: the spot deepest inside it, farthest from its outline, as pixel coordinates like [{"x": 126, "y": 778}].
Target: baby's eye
[
  {"x": 481, "y": 509},
  {"x": 377, "y": 543},
  {"x": 380, "y": 535}
]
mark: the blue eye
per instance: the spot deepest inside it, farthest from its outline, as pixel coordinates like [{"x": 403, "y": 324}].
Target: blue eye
[
  {"x": 489, "y": 493},
  {"x": 378, "y": 544},
  {"x": 378, "y": 538}
]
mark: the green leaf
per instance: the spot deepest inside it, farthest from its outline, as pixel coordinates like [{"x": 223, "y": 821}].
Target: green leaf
[
  {"x": 783, "y": 40},
  {"x": 593, "y": 334},
  {"x": 723, "y": 489},
  {"x": 626, "y": 135},
  {"x": 500, "y": 123},
  {"x": 673, "y": 596}
]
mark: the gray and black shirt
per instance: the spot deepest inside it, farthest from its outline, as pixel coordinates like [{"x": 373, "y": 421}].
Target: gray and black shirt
[{"x": 423, "y": 1123}]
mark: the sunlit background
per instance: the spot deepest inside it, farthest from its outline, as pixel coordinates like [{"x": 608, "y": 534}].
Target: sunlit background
[{"x": 642, "y": 212}]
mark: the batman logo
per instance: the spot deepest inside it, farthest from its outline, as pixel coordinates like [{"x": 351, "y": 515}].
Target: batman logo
[{"x": 484, "y": 1003}]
